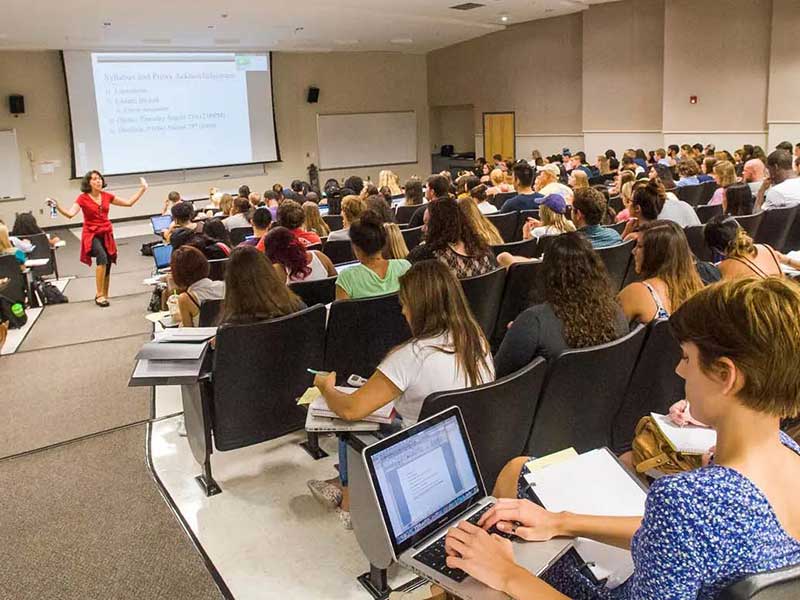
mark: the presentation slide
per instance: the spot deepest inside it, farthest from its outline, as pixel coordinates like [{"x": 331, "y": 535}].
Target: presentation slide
[{"x": 157, "y": 111}]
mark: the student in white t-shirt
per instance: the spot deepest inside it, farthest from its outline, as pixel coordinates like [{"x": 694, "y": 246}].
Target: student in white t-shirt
[
  {"x": 782, "y": 188},
  {"x": 447, "y": 351}
]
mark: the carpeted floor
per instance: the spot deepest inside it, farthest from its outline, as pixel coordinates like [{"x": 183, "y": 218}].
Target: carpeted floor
[
  {"x": 85, "y": 521},
  {"x": 77, "y": 322},
  {"x": 58, "y": 394},
  {"x": 128, "y": 256},
  {"x": 122, "y": 284}
]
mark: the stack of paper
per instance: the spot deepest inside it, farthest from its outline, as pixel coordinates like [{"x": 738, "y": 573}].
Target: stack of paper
[
  {"x": 171, "y": 352},
  {"x": 689, "y": 439},
  {"x": 188, "y": 335},
  {"x": 319, "y": 408}
]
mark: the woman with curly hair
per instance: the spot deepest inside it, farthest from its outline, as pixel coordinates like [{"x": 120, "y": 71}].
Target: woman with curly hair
[
  {"x": 579, "y": 308},
  {"x": 292, "y": 261},
  {"x": 451, "y": 239}
]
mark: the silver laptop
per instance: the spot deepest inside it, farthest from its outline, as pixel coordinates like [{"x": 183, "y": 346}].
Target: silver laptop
[{"x": 426, "y": 480}]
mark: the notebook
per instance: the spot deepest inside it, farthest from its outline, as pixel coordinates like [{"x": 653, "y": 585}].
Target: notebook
[
  {"x": 189, "y": 335},
  {"x": 689, "y": 439},
  {"x": 176, "y": 351},
  {"x": 593, "y": 483},
  {"x": 319, "y": 408}
]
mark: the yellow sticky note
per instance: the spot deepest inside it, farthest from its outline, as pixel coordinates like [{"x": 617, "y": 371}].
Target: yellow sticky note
[
  {"x": 309, "y": 396},
  {"x": 551, "y": 459}
]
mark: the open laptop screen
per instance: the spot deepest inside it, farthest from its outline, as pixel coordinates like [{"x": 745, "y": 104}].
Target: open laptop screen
[
  {"x": 160, "y": 223},
  {"x": 423, "y": 477},
  {"x": 162, "y": 253}
]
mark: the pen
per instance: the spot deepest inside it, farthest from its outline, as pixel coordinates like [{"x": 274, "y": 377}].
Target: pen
[{"x": 315, "y": 372}]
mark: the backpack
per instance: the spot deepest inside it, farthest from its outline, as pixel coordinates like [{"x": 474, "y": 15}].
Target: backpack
[
  {"x": 13, "y": 312},
  {"x": 48, "y": 293}
]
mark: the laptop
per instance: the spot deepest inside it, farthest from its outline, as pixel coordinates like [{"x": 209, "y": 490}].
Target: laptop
[
  {"x": 344, "y": 266},
  {"x": 160, "y": 223},
  {"x": 426, "y": 480},
  {"x": 162, "y": 253}
]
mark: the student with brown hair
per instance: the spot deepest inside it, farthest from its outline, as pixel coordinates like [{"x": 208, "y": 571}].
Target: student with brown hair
[
  {"x": 588, "y": 209},
  {"x": 313, "y": 220},
  {"x": 475, "y": 218},
  {"x": 664, "y": 261},
  {"x": 703, "y": 529},
  {"x": 352, "y": 207},
  {"x": 189, "y": 270},
  {"x": 447, "y": 351}
]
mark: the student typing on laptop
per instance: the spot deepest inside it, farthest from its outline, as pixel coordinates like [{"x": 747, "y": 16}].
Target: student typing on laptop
[
  {"x": 704, "y": 529},
  {"x": 447, "y": 351}
]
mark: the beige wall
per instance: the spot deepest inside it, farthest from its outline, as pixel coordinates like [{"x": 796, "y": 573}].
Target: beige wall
[
  {"x": 783, "y": 109},
  {"x": 623, "y": 58},
  {"x": 718, "y": 51},
  {"x": 349, "y": 82},
  {"x": 452, "y": 125},
  {"x": 533, "y": 69}
]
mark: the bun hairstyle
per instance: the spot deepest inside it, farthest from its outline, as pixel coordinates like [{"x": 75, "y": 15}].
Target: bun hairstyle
[
  {"x": 650, "y": 199},
  {"x": 725, "y": 235},
  {"x": 368, "y": 234},
  {"x": 479, "y": 193}
]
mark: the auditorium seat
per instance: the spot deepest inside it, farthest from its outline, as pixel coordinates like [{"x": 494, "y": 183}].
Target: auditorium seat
[
  {"x": 404, "y": 213},
  {"x": 618, "y": 227},
  {"x": 239, "y": 234},
  {"x": 617, "y": 260},
  {"x": 582, "y": 394},
  {"x": 615, "y": 202},
  {"x": 706, "y": 211},
  {"x": 209, "y": 313},
  {"x": 412, "y": 237},
  {"x": 41, "y": 249},
  {"x": 506, "y": 405},
  {"x": 524, "y": 215},
  {"x": 499, "y": 199},
  {"x": 775, "y": 226},
  {"x": 750, "y": 223},
  {"x": 484, "y": 294},
  {"x": 506, "y": 224},
  {"x": 318, "y": 291},
  {"x": 691, "y": 194},
  {"x": 360, "y": 333},
  {"x": 339, "y": 251},
  {"x": 17, "y": 288},
  {"x": 216, "y": 268},
  {"x": 778, "y": 584},
  {"x": 524, "y": 287},
  {"x": 695, "y": 235},
  {"x": 334, "y": 222},
  {"x": 707, "y": 189},
  {"x": 654, "y": 386},
  {"x": 524, "y": 248}
]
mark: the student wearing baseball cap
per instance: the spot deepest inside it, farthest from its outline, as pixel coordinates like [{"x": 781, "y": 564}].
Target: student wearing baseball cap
[
  {"x": 548, "y": 182},
  {"x": 553, "y": 218}
]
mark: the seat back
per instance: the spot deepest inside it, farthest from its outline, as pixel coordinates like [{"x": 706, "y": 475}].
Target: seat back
[
  {"x": 339, "y": 251},
  {"x": 499, "y": 199},
  {"x": 361, "y": 332},
  {"x": 706, "y": 211},
  {"x": 217, "y": 268},
  {"x": 404, "y": 213},
  {"x": 526, "y": 248},
  {"x": 695, "y": 235},
  {"x": 318, "y": 291},
  {"x": 504, "y": 406},
  {"x": 506, "y": 224},
  {"x": 17, "y": 288},
  {"x": 750, "y": 223},
  {"x": 582, "y": 395},
  {"x": 239, "y": 234},
  {"x": 524, "y": 287},
  {"x": 334, "y": 222},
  {"x": 707, "y": 189},
  {"x": 654, "y": 385},
  {"x": 259, "y": 372},
  {"x": 209, "y": 313},
  {"x": 618, "y": 227},
  {"x": 41, "y": 249},
  {"x": 775, "y": 226},
  {"x": 778, "y": 584},
  {"x": 532, "y": 213},
  {"x": 617, "y": 259},
  {"x": 412, "y": 237},
  {"x": 484, "y": 294},
  {"x": 691, "y": 194},
  {"x": 616, "y": 203}
]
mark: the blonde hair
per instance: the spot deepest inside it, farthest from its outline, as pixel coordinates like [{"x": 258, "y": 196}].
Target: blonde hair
[
  {"x": 395, "y": 242},
  {"x": 756, "y": 324},
  {"x": 497, "y": 177},
  {"x": 226, "y": 203},
  {"x": 580, "y": 178},
  {"x": 5, "y": 241},
  {"x": 604, "y": 164},
  {"x": 551, "y": 218},
  {"x": 352, "y": 207},
  {"x": 391, "y": 180},
  {"x": 482, "y": 226},
  {"x": 726, "y": 173},
  {"x": 314, "y": 221}
]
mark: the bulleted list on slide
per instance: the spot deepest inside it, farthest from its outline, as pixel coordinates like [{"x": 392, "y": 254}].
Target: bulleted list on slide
[{"x": 152, "y": 113}]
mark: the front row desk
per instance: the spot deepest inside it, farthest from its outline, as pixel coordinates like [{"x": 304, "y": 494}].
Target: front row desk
[{"x": 194, "y": 379}]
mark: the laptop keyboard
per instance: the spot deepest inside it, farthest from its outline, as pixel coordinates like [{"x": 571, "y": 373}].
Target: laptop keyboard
[{"x": 435, "y": 555}]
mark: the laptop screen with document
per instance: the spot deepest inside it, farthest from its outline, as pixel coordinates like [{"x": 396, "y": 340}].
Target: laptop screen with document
[
  {"x": 160, "y": 223},
  {"x": 423, "y": 477}
]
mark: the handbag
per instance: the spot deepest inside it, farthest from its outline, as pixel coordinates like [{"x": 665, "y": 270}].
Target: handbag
[
  {"x": 651, "y": 450},
  {"x": 13, "y": 312}
]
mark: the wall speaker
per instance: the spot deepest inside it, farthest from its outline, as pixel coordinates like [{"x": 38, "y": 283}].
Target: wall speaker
[
  {"x": 16, "y": 104},
  {"x": 313, "y": 95}
]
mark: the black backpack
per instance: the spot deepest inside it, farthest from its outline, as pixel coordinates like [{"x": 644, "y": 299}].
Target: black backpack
[{"x": 48, "y": 293}]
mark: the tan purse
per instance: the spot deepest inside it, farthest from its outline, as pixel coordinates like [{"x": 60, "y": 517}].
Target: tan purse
[{"x": 651, "y": 450}]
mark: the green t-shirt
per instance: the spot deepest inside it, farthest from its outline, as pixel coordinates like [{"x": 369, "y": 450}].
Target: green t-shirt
[{"x": 362, "y": 282}]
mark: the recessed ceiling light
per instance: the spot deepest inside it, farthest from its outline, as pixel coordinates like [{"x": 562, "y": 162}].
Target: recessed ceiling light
[
  {"x": 504, "y": 18},
  {"x": 402, "y": 41},
  {"x": 211, "y": 27},
  {"x": 106, "y": 24},
  {"x": 224, "y": 15}
]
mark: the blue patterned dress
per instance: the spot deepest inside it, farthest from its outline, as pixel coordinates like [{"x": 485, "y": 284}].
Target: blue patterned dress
[{"x": 701, "y": 531}]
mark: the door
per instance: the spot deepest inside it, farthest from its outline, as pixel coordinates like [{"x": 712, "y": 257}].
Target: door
[{"x": 498, "y": 135}]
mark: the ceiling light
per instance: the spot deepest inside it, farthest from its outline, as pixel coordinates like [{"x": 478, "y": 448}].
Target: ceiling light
[
  {"x": 106, "y": 24},
  {"x": 211, "y": 27},
  {"x": 224, "y": 15},
  {"x": 402, "y": 41},
  {"x": 504, "y": 18},
  {"x": 345, "y": 42},
  {"x": 467, "y": 6}
]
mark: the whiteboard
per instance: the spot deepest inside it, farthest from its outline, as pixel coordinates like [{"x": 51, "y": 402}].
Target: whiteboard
[
  {"x": 367, "y": 139},
  {"x": 10, "y": 166}
]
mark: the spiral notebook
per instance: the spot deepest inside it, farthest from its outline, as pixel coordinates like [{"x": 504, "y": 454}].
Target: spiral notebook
[{"x": 689, "y": 439}]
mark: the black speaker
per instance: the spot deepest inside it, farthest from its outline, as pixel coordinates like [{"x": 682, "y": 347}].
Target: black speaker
[
  {"x": 313, "y": 95},
  {"x": 16, "y": 104}
]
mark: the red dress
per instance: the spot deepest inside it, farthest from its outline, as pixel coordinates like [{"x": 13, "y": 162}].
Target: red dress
[{"x": 96, "y": 224}]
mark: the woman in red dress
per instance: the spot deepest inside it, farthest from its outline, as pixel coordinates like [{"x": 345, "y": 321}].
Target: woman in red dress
[{"x": 97, "y": 239}]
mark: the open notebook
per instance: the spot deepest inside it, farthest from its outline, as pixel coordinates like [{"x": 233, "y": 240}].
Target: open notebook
[
  {"x": 689, "y": 439},
  {"x": 592, "y": 483},
  {"x": 319, "y": 408}
]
